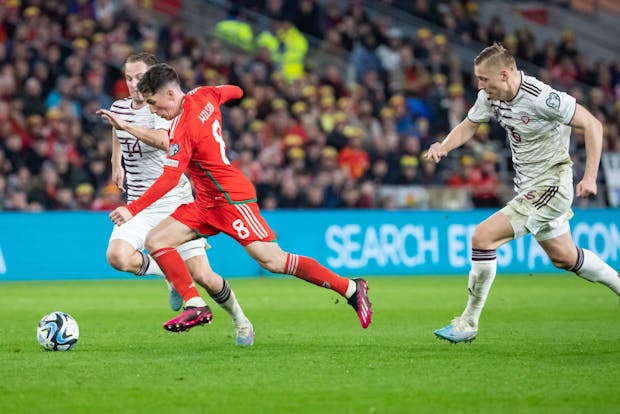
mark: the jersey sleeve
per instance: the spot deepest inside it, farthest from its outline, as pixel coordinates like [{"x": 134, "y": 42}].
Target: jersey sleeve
[
  {"x": 556, "y": 106},
  {"x": 181, "y": 144},
  {"x": 225, "y": 93},
  {"x": 176, "y": 161},
  {"x": 166, "y": 182},
  {"x": 481, "y": 111}
]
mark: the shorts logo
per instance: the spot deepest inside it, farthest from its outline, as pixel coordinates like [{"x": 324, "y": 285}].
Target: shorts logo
[
  {"x": 174, "y": 149},
  {"x": 553, "y": 101}
]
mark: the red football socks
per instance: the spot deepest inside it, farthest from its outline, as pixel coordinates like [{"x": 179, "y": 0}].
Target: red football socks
[
  {"x": 312, "y": 271},
  {"x": 174, "y": 268}
]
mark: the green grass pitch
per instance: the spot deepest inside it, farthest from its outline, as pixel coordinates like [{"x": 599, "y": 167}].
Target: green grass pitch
[{"x": 547, "y": 344}]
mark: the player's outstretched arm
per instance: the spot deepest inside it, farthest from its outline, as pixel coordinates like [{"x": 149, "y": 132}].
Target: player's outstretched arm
[
  {"x": 457, "y": 137},
  {"x": 593, "y": 132},
  {"x": 157, "y": 138},
  {"x": 229, "y": 92},
  {"x": 166, "y": 182}
]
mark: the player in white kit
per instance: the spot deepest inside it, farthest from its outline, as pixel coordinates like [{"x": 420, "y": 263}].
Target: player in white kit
[
  {"x": 140, "y": 138},
  {"x": 538, "y": 121}
]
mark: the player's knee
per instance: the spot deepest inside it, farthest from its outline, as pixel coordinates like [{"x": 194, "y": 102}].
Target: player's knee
[
  {"x": 480, "y": 240},
  {"x": 118, "y": 260}
]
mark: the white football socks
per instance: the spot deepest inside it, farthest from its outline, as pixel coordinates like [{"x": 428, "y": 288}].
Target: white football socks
[
  {"x": 228, "y": 301},
  {"x": 153, "y": 268},
  {"x": 350, "y": 289},
  {"x": 195, "y": 302},
  {"x": 594, "y": 269},
  {"x": 231, "y": 306},
  {"x": 481, "y": 276}
]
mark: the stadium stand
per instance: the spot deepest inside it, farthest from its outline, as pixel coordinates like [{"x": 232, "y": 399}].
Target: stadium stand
[{"x": 340, "y": 99}]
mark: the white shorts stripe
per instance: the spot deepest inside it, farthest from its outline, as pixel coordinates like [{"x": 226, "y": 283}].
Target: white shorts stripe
[
  {"x": 251, "y": 220},
  {"x": 262, "y": 232},
  {"x": 245, "y": 218}
]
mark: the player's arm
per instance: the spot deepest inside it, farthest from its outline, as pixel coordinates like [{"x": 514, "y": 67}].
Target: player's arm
[
  {"x": 593, "y": 132},
  {"x": 157, "y": 138},
  {"x": 228, "y": 92},
  {"x": 166, "y": 182},
  {"x": 118, "y": 173},
  {"x": 457, "y": 137}
]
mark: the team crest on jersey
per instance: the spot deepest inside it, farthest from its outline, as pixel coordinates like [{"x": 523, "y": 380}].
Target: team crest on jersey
[
  {"x": 174, "y": 149},
  {"x": 525, "y": 118},
  {"x": 553, "y": 101}
]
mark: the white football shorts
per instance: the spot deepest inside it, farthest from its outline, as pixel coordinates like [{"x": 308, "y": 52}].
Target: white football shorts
[
  {"x": 135, "y": 230},
  {"x": 544, "y": 211}
]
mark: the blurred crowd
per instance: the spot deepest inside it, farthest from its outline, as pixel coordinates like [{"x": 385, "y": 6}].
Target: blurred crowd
[{"x": 308, "y": 136}]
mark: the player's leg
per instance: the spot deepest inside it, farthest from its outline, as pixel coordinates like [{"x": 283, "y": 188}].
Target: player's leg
[
  {"x": 124, "y": 257},
  {"x": 244, "y": 223},
  {"x": 565, "y": 255},
  {"x": 271, "y": 257},
  {"x": 194, "y": 255},
  {"x": 127, "y": 241},
  {"x": 553, "y": 235},
  {"x": 125, "y": 249},
  {"x": 162, "y": 241},
  {"x": 488, "y": 236}
]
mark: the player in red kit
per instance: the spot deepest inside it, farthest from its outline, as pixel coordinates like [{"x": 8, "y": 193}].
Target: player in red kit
[{"x": 225, "y": 199}]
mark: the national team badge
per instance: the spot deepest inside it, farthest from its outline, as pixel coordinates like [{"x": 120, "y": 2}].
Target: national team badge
[
  {"x": 553, "y": 101},
  {"x": 525, "y": 118},
  {"x": 174, "y": 149}
]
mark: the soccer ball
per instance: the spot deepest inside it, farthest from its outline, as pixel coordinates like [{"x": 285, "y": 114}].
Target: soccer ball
[{"x": 58, "y": 331}]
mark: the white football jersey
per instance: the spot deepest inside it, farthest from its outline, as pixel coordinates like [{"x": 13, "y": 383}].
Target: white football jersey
[
  {"x": 143, "y": 163},
  {"x": 536, "y": 123}
]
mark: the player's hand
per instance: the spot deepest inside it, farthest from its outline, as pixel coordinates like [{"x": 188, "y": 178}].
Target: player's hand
[
  {"x": 120, "y": 216},
  {"x": 436, "y": 152},
  {"x": 586, "y": 188},
  {"x": 112, "y": 118},
  {"x": 118, "y": 175}
]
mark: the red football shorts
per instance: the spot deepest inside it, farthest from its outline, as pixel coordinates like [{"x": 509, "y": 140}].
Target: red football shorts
[{"x": 242, "y": 222}]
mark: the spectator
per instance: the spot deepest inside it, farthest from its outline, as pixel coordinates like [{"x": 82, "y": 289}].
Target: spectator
[
  {"x": 354, "y": 157},
  {"x": 84, "y": 196}
]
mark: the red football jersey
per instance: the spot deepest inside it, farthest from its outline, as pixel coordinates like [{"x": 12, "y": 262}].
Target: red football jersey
[{"x": 196, "y": 145}]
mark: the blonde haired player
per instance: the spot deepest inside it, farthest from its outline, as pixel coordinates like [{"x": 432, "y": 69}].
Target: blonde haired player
[
  {"x": 141, "y": 139},
  {"x": 538, "y": 121}
]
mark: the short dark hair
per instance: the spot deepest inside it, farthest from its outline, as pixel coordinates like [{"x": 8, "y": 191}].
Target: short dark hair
[
  {"x": 156, "y": 78},
  {"x": 496, "y": 55},
  {"x": 148, "y": 59}
]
